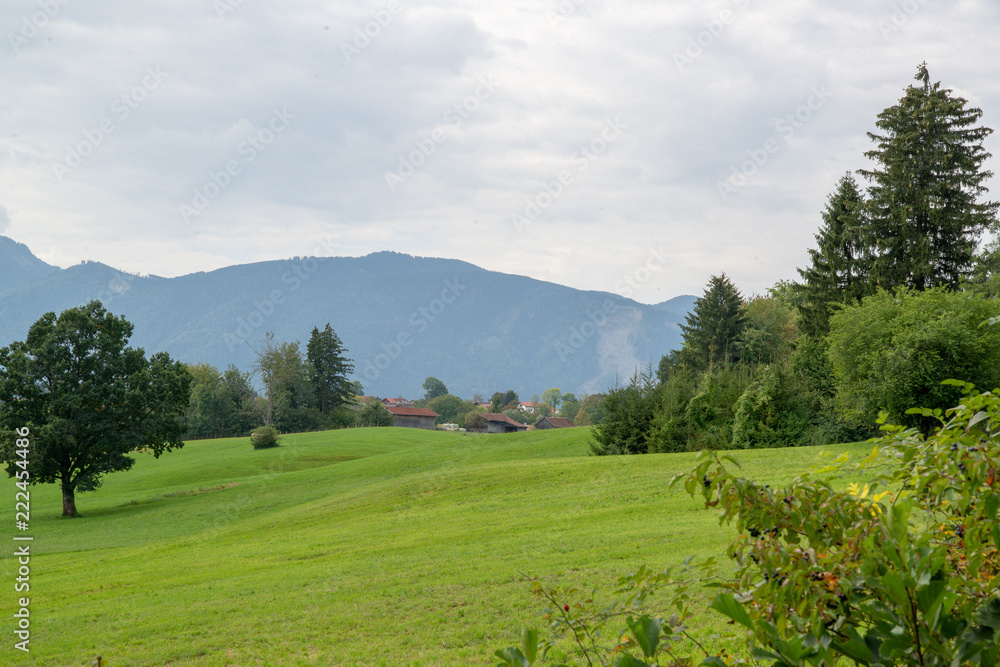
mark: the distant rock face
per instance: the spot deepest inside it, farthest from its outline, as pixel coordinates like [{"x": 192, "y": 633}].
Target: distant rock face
[
  {"x": 18, "y": 266},
  {"x": 401, "y": 318}
]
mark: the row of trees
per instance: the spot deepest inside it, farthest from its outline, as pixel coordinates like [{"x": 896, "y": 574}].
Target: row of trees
[
  {"x": 889, "y": 307},
  {"x": 301, "y": 392}
]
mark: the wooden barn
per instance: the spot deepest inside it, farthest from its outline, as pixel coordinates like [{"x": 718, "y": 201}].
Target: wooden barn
[
  {"x": 501, "y": 423},
  {"x": 554, "y": 422},
  {"x": 413, "y": 417}
]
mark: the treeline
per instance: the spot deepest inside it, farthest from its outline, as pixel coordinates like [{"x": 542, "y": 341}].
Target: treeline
[
  {"x": 895, "y": 300},
  {"x": 302, "y": 390}
]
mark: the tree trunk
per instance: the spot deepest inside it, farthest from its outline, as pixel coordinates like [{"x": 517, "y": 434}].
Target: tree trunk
[{"x": 69, "y": 500}]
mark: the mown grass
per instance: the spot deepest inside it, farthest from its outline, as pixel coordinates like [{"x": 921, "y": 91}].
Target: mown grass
[{"x": 367, "y": 546}]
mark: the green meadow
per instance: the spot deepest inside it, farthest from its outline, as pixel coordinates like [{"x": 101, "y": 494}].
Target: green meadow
[{"x": 355, "y": 547}]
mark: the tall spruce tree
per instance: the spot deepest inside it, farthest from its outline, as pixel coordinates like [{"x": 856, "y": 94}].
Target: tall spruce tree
[
  {"x": 330, "y": 369},
  {"x": 838, "y": 270},
  {"x": 925, "y": 217},
  {"x": 713, "y": 328}
]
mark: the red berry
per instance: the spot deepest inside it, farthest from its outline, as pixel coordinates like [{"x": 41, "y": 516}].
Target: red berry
[{"x": 566, "y": 607}]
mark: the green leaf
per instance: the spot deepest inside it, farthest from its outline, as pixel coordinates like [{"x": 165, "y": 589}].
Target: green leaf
[
  {"x": 929, "y": 595},
  {"x": 647, "y": 633},
  {"x": 726, "y": 604},
  {"x": 529, "y": 643},
  {"x": 989, "y": 614},
  {"x": 625, "y": 660},
  {"x": 513, "y": 657}
]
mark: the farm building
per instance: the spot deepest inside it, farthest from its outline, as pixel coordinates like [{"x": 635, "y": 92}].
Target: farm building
[
  {"x": 554, "y": 422},
  {"x": 501, "y": 423},
  {"x": 413, "y": 417}
]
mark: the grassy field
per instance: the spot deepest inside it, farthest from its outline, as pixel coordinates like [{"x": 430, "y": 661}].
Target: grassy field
[{"x": 368, "y": 546}]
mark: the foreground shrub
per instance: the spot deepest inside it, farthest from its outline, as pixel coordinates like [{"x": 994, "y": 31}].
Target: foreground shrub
[
  {"x": 264, "y": 437},
  {"x": 904, "y": 570}
]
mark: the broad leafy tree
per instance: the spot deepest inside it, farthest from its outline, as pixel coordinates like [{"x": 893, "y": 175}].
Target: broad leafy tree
[
  {"x": 839, "y": 265},
  {"x": 893, "y": 351},
  {"x": 434, "y": 388},
  {"x": 924, "y": 208},
  {"x": 504, "y": 400},
  {"x": 374, "y": 413},
  {"x": 553, "y": 398},
  {"x": 88, "y": 399},
  {"x": 329, "y": 369},
  {"x": 714, "y": 326},
  {"x": 222, "y": 404}
]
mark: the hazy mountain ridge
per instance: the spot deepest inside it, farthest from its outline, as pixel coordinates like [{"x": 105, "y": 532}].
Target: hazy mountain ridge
[
  {"x": 19, "y": 266},
  {"x": 402, "y": 319}
]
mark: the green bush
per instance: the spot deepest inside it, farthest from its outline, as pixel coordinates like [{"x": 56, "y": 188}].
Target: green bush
[
  {"x": 903, "y": 570},
  {"x": 628, "y": 418},
  {"x": 375, "y": 414},
  {"x": 894, "y": 350},
  {"x": 772, "y": 412},
  {"x": 264, "y": 437}
]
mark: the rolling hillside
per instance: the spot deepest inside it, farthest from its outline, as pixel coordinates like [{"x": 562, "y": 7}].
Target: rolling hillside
[{"x": 355, "y": 547}]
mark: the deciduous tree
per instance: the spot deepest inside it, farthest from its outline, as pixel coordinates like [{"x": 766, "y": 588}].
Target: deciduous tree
[{"x": 87, "y": 399}]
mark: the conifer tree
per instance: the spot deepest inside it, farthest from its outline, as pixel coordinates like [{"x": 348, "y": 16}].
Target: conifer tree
[
  {"x": 838, "y": 271},
  {"x": 925, "y": 217},
  {"x": 714, "y": 326},
  {"x": 330, "y": 368}
]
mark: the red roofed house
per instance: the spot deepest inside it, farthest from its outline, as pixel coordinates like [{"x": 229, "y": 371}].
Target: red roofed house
[
  {"x": 554, "y": 422},
  {"x": 527, "y": 406},
  {"x": 413, "y": 417},
  {"x": 500, "y": 423},
  {"x": 397, "y": 402}
]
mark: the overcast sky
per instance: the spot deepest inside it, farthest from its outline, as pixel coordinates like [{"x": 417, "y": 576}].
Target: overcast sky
[{"x": 566, "y": 141}]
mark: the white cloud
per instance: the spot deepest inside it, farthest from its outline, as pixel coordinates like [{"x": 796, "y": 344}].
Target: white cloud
[{"x": 557, "y": 83}]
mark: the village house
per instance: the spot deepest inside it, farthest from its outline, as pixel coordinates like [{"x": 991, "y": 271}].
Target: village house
[
  {"x": 412, "y": 417},
  {"x": 528, "y": 406},
  {"x": 397, "y": 402}
]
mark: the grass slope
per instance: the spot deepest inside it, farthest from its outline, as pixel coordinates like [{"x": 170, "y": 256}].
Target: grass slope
[{"x": 367, "y": 546}]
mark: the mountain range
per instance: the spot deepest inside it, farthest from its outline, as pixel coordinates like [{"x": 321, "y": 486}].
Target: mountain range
[{"x": 401, "y": 318}]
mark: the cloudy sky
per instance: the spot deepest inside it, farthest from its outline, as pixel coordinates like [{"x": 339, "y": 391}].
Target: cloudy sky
[{"x": 576, "y": 141}]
